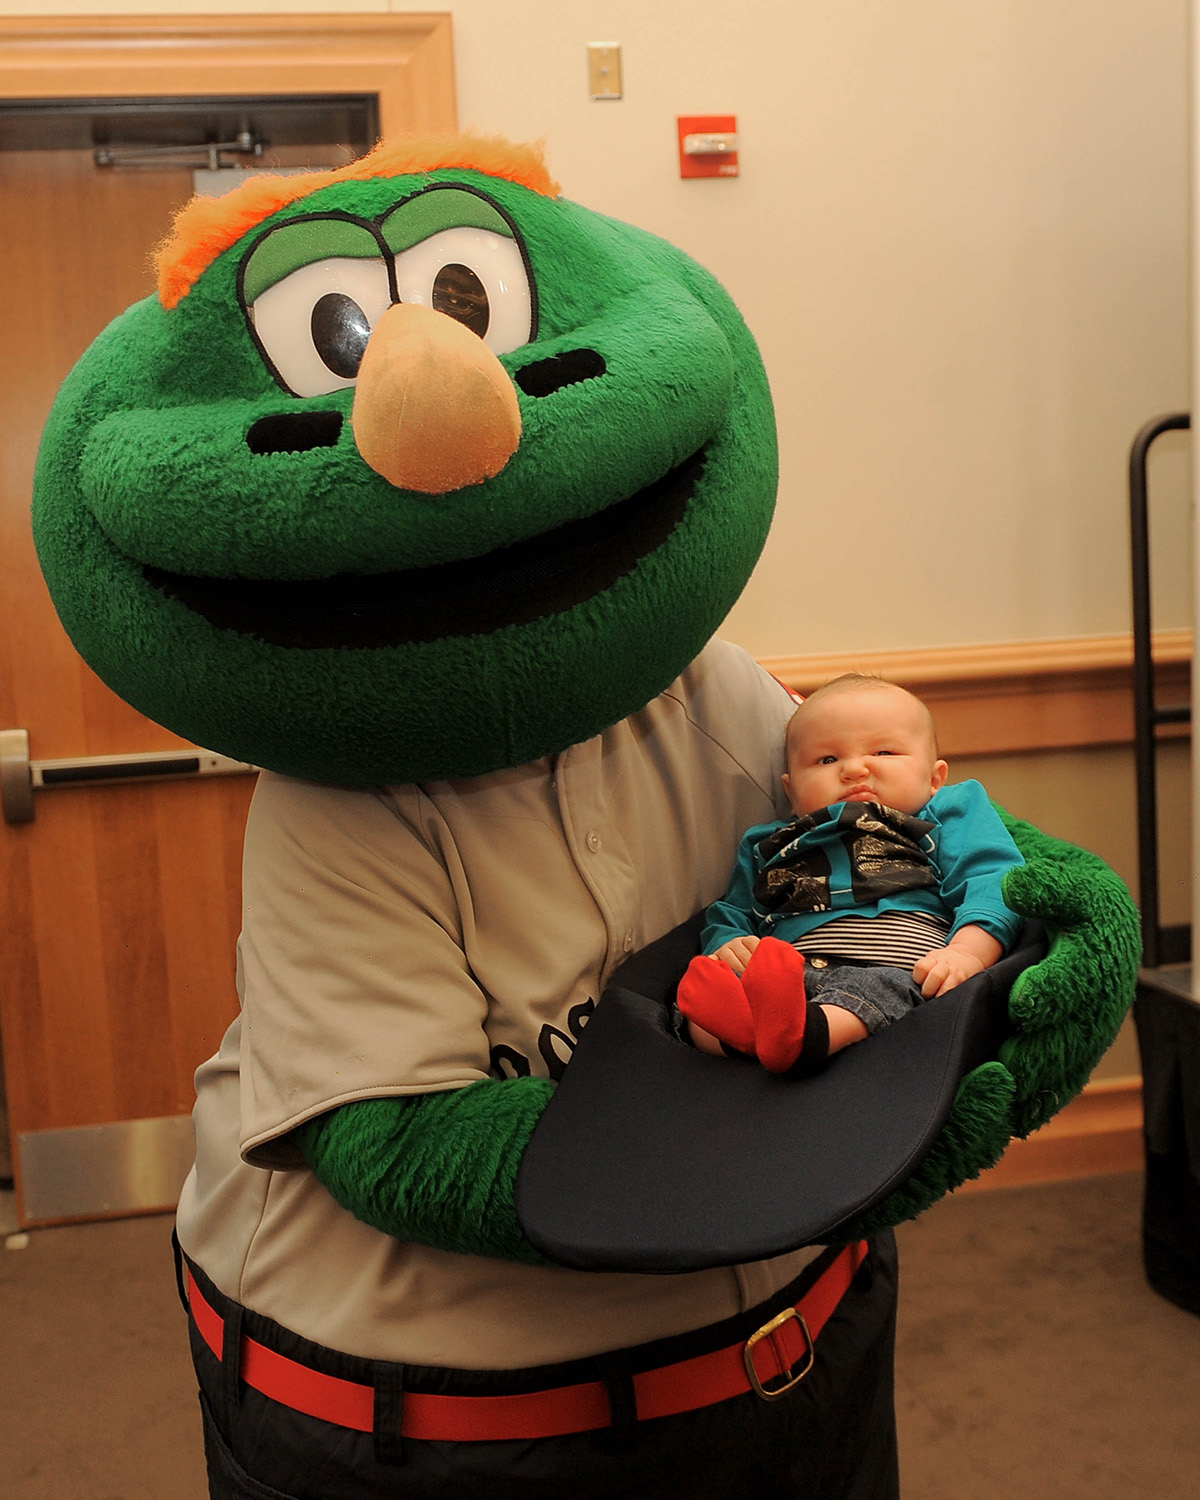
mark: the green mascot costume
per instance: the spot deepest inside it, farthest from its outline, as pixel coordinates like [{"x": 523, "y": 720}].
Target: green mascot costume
[{"x": 425, "y": 489}]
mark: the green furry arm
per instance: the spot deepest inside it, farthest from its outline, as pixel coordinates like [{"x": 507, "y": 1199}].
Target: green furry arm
[
  {"x": 1066, "y": 1011},
  {"x": 437, "y": 1169}
]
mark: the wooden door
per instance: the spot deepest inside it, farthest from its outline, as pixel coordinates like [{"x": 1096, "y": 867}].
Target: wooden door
[{"x": 119, "y": 905}]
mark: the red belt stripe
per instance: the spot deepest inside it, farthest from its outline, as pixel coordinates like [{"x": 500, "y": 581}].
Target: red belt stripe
[{"x": 686, "y": 1385}]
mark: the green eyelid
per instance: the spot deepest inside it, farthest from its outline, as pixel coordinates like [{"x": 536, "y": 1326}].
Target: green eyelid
[
  {"x": 302, "y": 243},
  {"x": 440, "y": 208}
]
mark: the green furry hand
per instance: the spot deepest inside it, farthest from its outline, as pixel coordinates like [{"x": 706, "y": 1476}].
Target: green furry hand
[
  {"x": 1066, "y": 1012},
  {"x": 437, "y": 1169},
  {"x": 1067, "y": 1009}
]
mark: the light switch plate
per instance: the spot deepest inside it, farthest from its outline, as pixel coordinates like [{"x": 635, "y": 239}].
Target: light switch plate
[{"x": 604, "y": 70}]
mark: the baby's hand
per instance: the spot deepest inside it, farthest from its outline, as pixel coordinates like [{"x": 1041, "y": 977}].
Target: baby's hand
[
  {"x": 943, "y": 969},
  {"x": 736, "y": 953}
]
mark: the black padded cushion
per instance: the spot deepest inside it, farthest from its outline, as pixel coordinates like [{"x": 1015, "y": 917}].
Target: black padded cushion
[{"x": 652, "y": 1156}]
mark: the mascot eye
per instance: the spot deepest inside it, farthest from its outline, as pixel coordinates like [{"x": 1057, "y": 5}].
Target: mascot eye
[
  {"x": 340, "y": 331},
  {"x": 459, "y": 293},
  {"x": 475, "y": 276},
  {"x": 314, "y": 324}
]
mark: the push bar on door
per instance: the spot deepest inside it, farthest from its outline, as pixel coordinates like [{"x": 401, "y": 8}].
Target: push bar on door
[{"x": 20, "y": 777}]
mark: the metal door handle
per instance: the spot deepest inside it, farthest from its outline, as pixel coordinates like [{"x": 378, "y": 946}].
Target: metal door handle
[{"x": 20, "y": 777}]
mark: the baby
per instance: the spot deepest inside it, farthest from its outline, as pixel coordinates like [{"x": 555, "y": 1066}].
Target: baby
[{"x": 881, "y": 892}]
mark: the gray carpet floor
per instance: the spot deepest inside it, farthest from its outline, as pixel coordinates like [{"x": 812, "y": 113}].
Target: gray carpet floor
[
  {"x": 1033, "y": 1361},
  {"x": 1032, "y": 1358}
]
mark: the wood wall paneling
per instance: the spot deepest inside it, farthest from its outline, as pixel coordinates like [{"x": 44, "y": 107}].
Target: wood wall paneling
[{"x": 1012, "y": 697}]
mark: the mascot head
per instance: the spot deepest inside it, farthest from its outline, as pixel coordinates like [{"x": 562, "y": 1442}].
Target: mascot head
[{"x": 410, "y": 470}]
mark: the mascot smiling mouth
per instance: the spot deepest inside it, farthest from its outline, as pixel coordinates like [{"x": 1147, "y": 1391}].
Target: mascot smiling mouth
[{"x": 513, "y": 585}]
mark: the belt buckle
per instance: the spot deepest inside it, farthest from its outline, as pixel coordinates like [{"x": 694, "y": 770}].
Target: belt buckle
[{"x": 791, "y": 1378}]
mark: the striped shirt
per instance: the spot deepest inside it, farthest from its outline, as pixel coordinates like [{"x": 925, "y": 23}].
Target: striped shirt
[{"x": 895, "y": 938}]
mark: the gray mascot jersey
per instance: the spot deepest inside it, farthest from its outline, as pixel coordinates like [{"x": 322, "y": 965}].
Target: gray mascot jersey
[{"x": 413, "y": 939}]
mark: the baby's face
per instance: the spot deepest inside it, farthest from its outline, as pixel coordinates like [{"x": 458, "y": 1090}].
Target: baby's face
[{"x": 868, "y": 745}]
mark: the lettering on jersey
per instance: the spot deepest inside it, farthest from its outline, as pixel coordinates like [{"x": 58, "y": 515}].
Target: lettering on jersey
[
  {"x": 555, "y": 1047},
  {"x": 507, "y": 1062}
]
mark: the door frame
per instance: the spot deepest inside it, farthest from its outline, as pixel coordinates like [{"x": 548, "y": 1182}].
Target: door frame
[{"x": 407, "y": 60}]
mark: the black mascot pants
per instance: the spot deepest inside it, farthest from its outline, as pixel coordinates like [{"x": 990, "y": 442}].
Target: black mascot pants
[{"x": 831, "y": 1437}]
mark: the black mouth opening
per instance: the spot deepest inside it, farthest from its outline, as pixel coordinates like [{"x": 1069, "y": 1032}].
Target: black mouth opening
[{"x": 510, "y": 586}]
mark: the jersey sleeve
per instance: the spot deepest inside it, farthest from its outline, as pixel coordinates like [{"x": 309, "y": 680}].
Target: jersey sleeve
[
  {"x": 975, "y": 852},
  {"x": 352, "y": 970}
]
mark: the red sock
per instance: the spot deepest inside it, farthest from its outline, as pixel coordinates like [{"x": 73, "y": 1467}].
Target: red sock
[
  {"x": 711, "y": 994},
  {"x": 774, "y": 987}
]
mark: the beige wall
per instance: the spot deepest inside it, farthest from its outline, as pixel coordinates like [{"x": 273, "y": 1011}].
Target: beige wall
[{"x": 960, "y": 236}]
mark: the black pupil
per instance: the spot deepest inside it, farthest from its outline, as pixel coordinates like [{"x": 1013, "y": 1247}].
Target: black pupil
[
  {"x": 340, "y": 332},
  {"x": 459, "y": 293}
]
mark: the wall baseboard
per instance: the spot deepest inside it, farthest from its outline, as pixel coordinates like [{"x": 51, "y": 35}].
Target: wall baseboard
[
  {"x": 1097, "y": 1133},
  {"x": 1009, "y": 697}
]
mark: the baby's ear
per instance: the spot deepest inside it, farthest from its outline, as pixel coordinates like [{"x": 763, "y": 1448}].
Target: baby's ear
[
  {"x": 940, "y": 772},
  {"x": 787, "y": 785}
]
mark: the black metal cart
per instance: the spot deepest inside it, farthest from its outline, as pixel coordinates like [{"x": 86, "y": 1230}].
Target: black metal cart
[{"x": 1166, "y": 1011}]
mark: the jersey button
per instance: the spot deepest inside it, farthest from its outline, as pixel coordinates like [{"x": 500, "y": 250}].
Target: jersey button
[{"x": 593, "y": 841}]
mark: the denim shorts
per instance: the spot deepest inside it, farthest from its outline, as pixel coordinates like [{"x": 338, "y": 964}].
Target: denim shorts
[{"x": 877, "y": 994}]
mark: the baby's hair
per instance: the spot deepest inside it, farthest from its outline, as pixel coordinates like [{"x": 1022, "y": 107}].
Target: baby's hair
[
  {"x": 857, "y": 682},
  {"x": 852, "y": 682}
]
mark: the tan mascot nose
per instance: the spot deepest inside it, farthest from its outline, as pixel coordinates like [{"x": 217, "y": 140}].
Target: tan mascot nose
[{"x": 434, "y": 409}]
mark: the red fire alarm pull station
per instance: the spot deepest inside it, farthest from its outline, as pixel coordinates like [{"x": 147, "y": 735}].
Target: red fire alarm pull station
[{"x": 708, "y": 146}]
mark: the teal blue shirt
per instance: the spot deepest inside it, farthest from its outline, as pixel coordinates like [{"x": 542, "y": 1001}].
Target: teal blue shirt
[{"x": 947, "y": 860}]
